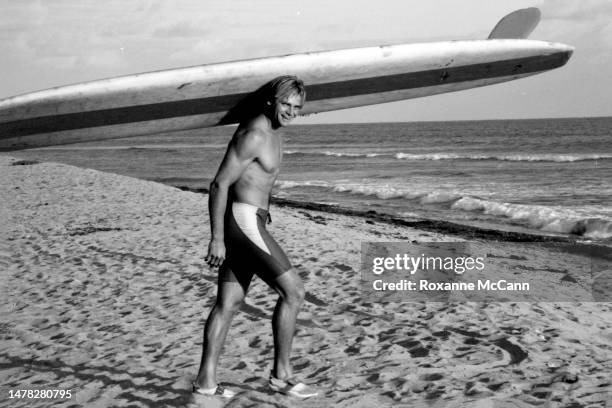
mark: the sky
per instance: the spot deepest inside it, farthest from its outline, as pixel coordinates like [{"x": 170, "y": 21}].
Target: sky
[{"x": 47, "y": 43}]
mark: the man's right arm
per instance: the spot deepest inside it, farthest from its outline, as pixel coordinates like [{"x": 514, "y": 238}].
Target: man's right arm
[{"x": 242, "y": 150}]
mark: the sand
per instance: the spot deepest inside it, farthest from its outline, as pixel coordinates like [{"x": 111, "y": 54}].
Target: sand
[{"x": 105, "y": 291}]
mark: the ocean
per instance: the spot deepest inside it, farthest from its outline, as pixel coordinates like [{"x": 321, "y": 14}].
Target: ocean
[{"x": 547, "y": 176}]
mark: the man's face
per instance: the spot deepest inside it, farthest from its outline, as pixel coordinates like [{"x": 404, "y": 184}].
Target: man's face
[{"x": 287, "y": 108}]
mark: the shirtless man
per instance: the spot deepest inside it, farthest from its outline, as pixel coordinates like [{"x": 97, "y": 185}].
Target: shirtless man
[{"x": 241, "y": 246}]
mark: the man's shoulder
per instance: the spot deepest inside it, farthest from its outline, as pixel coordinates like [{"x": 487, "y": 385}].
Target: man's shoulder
[
  {"x": 252, "y": 131},
  {"x": 249, "y": 140},
  {"x": 249, "y": 135}
]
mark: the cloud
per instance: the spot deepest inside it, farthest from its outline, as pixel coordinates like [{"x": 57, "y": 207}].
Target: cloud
[
  {"x": 207, "y": 49},
  {"x": 573, "y": 10},
  {"x": 180, "y": 29},
  {"x": 58, "y": 63},
  {"x": 108, "y": 59},
  {"x": 586, "y": 24}
]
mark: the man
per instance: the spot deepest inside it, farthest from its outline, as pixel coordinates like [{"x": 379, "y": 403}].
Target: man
[{"x": 241, "y": 246}]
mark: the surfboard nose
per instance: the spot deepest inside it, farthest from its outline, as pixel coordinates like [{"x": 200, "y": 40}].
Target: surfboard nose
[
  {"x": 566, "y": 51},
  {"x": 551, "y": 55}
]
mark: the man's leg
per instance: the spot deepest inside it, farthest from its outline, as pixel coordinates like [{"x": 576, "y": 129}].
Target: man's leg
[
  {"x": 291, "y": 295},
  {"x": 230, "y": 296}
]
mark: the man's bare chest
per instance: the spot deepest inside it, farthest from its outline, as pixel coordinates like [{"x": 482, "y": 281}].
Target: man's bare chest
[{"x": 270, "y": 160}]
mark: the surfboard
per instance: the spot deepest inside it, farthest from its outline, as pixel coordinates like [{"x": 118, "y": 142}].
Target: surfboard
[{"x": 218, "y": 94}]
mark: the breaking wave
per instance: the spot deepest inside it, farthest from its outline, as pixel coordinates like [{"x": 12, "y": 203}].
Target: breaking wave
[
  {"x": 333, "y": 154},
  {"x": 384, "y": 192},
  {"x": 550, "y": 157},
  {"x": 543, "y": 157},
  {"x": 543, "y": 218}
]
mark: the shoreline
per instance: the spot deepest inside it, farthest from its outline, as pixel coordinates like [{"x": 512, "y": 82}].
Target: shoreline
[{"x": 435, "y": 226}]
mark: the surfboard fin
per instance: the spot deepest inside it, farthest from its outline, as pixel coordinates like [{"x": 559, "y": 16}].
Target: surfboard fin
[{"x": 517, "y": 25}]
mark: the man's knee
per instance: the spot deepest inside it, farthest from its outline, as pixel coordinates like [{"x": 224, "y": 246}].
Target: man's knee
[
  {"x": 297, "y": 294},
  {"x": 228, "y": 308},
  {"x": 230, "y": 305},
  {"x": 290, "y": 287},
  {"x": 230, "y": 299}
]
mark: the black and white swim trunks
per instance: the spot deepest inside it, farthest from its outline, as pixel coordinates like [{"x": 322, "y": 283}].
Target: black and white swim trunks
[{"x": 250, "y": 249}]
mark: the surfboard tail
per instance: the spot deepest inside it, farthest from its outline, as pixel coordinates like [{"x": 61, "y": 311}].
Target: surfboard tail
[{"x": 517, "y": 25}]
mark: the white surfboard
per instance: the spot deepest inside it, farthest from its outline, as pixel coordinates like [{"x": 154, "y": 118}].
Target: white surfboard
[{"x": 217, "y": 94}]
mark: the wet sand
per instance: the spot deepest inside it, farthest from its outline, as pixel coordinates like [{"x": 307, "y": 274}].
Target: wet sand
[{"x": 104, "y": 292}]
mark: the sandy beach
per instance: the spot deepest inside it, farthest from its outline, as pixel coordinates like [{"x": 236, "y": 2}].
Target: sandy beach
[{"x": 105, "y": 291}]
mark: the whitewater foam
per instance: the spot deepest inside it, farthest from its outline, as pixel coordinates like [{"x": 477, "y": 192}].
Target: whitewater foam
[
  {"x": 295, "y": 184},
  {"x": 343, "y": 154},
  {"x": 550, "y": 157},
  {"x": 333, "y": 154},
  {"x": 549, "y": 219},
  {"x": 543, "y": 157},
  {"x": 382, "y": 191},
  {"x": 543, "y": 218}
]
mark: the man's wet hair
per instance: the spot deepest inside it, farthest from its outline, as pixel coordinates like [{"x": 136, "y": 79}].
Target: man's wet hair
[{"x": 284, "y": 86}]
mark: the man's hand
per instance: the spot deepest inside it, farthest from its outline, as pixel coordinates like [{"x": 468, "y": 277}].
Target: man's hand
[{"x": 216, "y": 253}]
